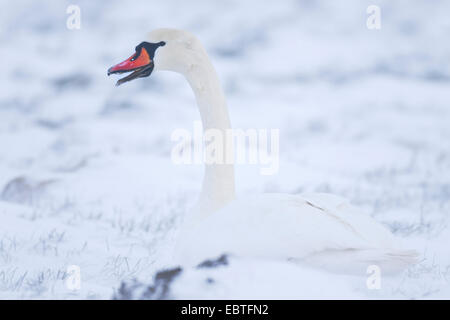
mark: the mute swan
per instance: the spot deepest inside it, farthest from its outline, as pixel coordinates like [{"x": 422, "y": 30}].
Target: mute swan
[{"x": 318, "y": 229}]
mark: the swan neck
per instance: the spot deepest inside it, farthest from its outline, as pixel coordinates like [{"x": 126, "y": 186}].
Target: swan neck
[{"x": 218, "y": 182}]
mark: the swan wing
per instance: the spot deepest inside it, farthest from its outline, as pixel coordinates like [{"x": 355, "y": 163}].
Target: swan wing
[
  {"x": 367, "y": 228},
  {"x": 283, "y": 226}
]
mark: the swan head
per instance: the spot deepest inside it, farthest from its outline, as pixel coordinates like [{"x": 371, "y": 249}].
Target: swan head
[{"x": 164, "y": 49}]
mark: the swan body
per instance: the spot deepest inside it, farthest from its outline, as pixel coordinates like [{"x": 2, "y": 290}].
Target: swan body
[
  {"x": 322, "y": 230},
  {"x": 318, "y": 229}
]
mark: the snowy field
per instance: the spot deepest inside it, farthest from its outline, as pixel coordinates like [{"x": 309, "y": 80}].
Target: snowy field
[{"x": 85, "y": 172}]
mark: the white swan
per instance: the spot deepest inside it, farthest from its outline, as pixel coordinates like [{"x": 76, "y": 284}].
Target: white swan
[{"x": 320, "y": 229}]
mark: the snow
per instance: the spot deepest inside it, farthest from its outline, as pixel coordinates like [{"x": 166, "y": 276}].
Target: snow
[{"x": 85, "y": 171}]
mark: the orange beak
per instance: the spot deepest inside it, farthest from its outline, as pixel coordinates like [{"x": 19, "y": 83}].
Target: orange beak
[
  {"x": 140, "y": 63},
  {"x": 132, "y": 63}
]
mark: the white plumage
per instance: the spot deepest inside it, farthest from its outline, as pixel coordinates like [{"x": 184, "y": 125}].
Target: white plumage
[
  {"x": 322, "y": 230},
  {"x": 318, "y": 229}
]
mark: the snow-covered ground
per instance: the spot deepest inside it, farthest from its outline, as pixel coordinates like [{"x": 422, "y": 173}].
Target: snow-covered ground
[{"x": 85, "y": 172}]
